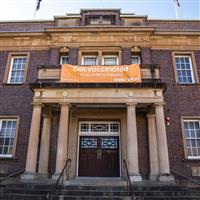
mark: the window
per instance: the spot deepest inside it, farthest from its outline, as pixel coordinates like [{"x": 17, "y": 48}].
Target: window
[
  {"x": 17, "y": 69},
  {"x": 135, "y": 59},
  {"x": 100, "y": 20},
  {"x": 192, "y": 138},
  {"x": 8, "y": 129},
  {"x": 110, "y": 60},
  {"x": 89, "y": 60},
  {"x": 64, "y": 60},
  {"x": 184, "y": 69}
]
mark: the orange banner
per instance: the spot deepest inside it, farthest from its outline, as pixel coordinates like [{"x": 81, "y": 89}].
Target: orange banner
[{"x": 100, "y": 74}]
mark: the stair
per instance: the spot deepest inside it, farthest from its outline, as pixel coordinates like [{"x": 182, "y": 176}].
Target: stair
[
  {"x": 39, "y": 192},
  {"x": 33, "y": 191},
  {"x": 169, "y": 192}
]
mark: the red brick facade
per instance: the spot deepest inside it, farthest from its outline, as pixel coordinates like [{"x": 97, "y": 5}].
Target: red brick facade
[{"x": 181, "y": 100}]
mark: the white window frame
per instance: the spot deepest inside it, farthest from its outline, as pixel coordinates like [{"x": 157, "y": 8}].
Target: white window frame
[
  {"x": 191, "y": 68},
  {"x": 88, "y": 56},
  {"x": 14, "y": 138},
  {"x": 61, "y": 58},
  {"x": 11, "y": 68},
  {"x": 110, "y": 56},
  {"x": 99, "y": 133},
  {"x": 185, "y": 139},
  {"x": 136, "y": 56}
]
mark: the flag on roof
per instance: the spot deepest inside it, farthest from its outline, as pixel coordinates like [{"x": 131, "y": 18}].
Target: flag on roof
[
  {"x": 38, "y": 4},
  {"x": 177, "y": 3}
]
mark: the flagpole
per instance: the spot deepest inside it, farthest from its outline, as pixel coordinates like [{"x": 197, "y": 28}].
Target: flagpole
[
  {"x": 35, "y": 13},
  {"x": 175, "y": 9}
]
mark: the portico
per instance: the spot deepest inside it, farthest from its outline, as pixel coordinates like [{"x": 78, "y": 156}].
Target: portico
[{"x": 97, "y": 104}]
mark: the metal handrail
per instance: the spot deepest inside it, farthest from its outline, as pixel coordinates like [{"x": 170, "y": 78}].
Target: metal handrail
[
  {"x": 184, "y": 176},
  {"x": 12, "y": 174},
  {"x": 54, "y": 190},
  {"x": 129, "y": 184}
]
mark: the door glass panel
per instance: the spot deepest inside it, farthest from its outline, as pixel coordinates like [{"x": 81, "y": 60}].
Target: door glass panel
[
  {"x": 109, "y": 143},
  {"x": 88, "y": 143}
]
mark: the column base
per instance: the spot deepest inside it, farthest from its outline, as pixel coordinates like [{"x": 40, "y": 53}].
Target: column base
[
  {"x": 42, "y": 176},
  {"x": 135, "y": 178},
  {"x": 153, "y": 177},
  {"x": 29, "y": 176},
  {"x": 166, "y": 178},
  {"x": 56, "y": 175}
]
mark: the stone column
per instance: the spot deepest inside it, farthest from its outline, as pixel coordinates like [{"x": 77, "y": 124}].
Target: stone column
[
  {"x": 31, "y": 160},
  {"x": 61, "y": 157},
  {"x": 153, "y": 151},
  {"x": 162, "y": 144},
  {"x": 132, "y": 144},
  {"x": 45, "y": 145}
]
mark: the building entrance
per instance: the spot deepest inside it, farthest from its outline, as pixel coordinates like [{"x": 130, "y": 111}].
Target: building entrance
[{"x": 99, "y": 150}]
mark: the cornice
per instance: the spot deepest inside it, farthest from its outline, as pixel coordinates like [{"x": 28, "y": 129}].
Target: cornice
[
  {"x": 161, "y": 32},
  {"x": 101, "y": 29},
  {"x": 88, "y": 29},
  {"x": 21, "y": 33}
]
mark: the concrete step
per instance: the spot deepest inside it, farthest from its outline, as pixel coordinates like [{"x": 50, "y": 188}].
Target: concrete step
[
  {"x": 107, "y": 192},
  {"x": 59, "y": 197},
  {"x": 169, "y": 198}
]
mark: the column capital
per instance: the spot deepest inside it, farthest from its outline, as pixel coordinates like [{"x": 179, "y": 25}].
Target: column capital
[
  {"x": 37, "y": 104},
  {"x": 131, "y": 104},
  {"x": 151, "y": 115},
  {"x": 159, "y": 104},
  {"x": 65, "y": 104}
]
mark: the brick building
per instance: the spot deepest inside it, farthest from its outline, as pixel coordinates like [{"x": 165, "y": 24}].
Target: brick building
[{"x": 154, "y": 125}]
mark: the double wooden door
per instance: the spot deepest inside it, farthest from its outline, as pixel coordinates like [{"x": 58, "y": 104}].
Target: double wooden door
[{"x": 99, "y": 156}]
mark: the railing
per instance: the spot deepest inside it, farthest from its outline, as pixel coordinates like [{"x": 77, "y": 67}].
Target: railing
[
  {"x": 55, "y": 187},
  {"x": 150, "y": 73},
  {"x": 12, "y": 174},
  {"x": 185, "y": 177},
  {"x": 129, "y": 184}
]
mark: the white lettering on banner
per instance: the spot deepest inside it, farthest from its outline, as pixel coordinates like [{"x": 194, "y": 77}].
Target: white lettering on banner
[{"x": 103, "y": 69}]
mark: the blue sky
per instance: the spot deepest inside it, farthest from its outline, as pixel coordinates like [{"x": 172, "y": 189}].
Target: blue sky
[{"x": 155, "y": 9}]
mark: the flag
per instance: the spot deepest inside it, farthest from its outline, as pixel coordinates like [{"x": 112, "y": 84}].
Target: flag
[
  {"x": 177, "y": 3},
  {"x": 38, "y": 5}
]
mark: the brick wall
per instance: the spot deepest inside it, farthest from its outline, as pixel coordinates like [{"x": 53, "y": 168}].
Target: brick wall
[
  {"x": 180, "y": 101},
  {"x": 126, "y": 56},
  {"x": 16, "y": 100}
]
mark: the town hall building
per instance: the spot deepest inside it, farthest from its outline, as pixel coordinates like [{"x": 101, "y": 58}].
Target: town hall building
[{"x": 101, "y": 88}]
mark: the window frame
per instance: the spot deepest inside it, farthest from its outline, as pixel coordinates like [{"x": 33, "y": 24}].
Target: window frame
[
  {"x": 194, "y": 72},
  {"x": 89, "y": 56},
  {"x": 110, "y": 56},
  {"x": 64, "y": 56},
  {"x": 139, "y": 58},
  {"x": 9, "y": 67},
  {"x": 185, "y": 119},
  {"x": 17, "y": 119}
]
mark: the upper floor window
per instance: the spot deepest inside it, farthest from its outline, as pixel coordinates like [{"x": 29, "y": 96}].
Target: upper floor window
[
  {"x": 8, "y": 129},
  {"x": 89, "y": 60},
  {"x": 184, "y": 69},
  {"x": 64, "y": 60},
  {"x": 192, "y": 137},
  {"x": 135, "y": 59},
  {"x": 100, "y": 20},
  {"x": 110, "y": 60},
  {"x": 17, "y": 69}
]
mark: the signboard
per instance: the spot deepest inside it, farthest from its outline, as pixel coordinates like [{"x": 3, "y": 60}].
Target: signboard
[{"x": 100, "y": 74}]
